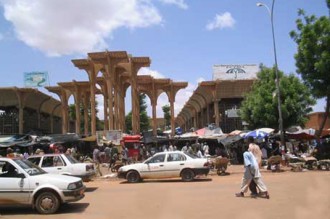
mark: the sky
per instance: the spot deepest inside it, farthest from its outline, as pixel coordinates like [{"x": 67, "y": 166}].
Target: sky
[{"x": 183, "y": 38}]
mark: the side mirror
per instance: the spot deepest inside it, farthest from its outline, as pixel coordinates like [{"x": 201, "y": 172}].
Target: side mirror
[{"x": 21, "y": 175}]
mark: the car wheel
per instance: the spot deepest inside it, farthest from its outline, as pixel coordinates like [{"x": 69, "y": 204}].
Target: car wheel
[
  {"x": 133, "y": 176},
  {"x": 187, "y": 175},
  {"x": 47, "y": 203}
]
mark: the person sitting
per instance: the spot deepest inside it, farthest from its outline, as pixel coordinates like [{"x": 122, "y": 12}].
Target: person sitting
[{"x": 9, "y": 171}]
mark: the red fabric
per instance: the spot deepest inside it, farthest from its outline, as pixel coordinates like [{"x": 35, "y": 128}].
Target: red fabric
[
  {"x": 131, "y": 138},
  {"x": 301, "y": 135},
  {"x": 200, "y": 132}
]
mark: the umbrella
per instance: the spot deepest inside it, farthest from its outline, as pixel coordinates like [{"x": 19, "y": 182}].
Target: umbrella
[
  {"x": 267, "y": 130},
  {"x": 235, "y": 132},
  {"x": 256, "y": 134}
]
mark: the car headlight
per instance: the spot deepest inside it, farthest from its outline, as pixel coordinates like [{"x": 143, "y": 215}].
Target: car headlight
[
  {"x": 72, "y": 186},
  {"x": 75, "y": 185},
  {"x": 120, "y": 169}
]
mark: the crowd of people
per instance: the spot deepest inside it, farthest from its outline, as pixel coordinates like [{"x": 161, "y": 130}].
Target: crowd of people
[
  {"x": 25, "y": 152},
  {"x": 245, "y": 151}
]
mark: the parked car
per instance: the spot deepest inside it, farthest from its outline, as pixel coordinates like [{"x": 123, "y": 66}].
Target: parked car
[
  {"x": 22, "y": 182},
  {"x": 169, "y": 164},
  {"x": 64, "y": 164}
]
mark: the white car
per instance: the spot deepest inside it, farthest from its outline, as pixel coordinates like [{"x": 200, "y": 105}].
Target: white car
[
  {"x": 171, "y": 164},
  {"x": 63, "y": 164},
  {"x": 22, "y": 182}
]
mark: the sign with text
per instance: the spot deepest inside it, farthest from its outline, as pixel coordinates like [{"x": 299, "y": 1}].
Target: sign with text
[{"x": 235, "y": 72}]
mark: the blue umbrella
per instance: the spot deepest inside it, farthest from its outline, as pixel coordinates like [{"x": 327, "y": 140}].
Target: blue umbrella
[{"x": 256, "y": 134}]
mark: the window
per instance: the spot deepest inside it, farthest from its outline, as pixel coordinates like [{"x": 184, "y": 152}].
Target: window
[
  {"x": 35, "y": 160},
  {"x": 169, "y": 158},
  {"x": 52, "y": 161},
  {"x": 47, "y": 162},
  {"x": 58, "y": 161},
  {"x": 8, "y": 170},
  {"x": 157, "y": 159},
  {"x": 178, "y": 157}
]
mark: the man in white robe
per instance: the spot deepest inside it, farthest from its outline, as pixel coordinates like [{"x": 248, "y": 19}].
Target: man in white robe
[{"x": 252, "y": 172}]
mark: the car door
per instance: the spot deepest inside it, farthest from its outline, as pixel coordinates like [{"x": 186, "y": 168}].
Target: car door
[
  {"x": 53, "y": 164},
  {"x": 13, "y": 187},
  {"x": 174, "y": 164},
  {"x": 154, "y": 168}
]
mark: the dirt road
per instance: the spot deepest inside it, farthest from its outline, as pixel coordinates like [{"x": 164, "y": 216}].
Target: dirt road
[{"x": 293, "y": 195}]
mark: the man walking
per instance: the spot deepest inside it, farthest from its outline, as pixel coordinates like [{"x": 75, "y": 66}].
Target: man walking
[
  {"x": 252, "y": 173},
  {"x": 97, "y": 160}
]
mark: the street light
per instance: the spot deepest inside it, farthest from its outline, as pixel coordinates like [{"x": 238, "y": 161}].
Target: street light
[{"x": 277, "y": 82}]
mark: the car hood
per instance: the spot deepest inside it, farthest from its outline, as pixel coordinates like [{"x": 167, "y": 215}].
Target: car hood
[{"x": 60, "y": 180}]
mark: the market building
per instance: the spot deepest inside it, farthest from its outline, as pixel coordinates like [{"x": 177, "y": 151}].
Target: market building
[{"x": 217, "y": 102}]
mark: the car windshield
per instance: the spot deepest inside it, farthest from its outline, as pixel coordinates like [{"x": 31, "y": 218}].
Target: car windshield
[
  {"x": 71, "y": 159},
  {"x": 29, "y": 167}
]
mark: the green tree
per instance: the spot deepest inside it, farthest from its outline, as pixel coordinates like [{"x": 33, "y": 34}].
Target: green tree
[
  {"x": 144, "y": 119},
  {"x": 167, "y": 115},
  {"x": 72, "y": 116},
  {"x": 128, "y": 122},
  {"x": 313, "y": 55},
  {"x": 259, "y": 108}
]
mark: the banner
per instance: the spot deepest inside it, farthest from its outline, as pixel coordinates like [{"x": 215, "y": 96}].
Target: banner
[{"x": 36, "y": 79}]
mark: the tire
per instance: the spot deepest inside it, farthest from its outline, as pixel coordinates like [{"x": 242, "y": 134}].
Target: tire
[
  {"x": 47, "y": 203},
  {"x": 133, "y": 176},
  {"x": 187, "y": 175}
]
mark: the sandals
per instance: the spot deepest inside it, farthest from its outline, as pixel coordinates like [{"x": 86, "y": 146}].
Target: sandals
[
  {"x": 240, "y": 194},
  {"x": 264, "y": 195}
]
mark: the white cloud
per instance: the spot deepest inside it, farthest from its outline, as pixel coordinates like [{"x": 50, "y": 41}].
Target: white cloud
[
  {"x": 77, "y": 26},
  {"x": 182, "y": 96},
  {"x": 224, "y": 20},
  {"x": 200, "y": 79},
  {"x": 100, "y": 106},
  {"x": 180, "y": 3},
  {"x": 148, "y": 71}
]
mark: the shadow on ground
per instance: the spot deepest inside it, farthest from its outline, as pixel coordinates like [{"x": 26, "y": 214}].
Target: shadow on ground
[
  {"x": 170, "y": 181},
  {"x": 71, "y": 208},
  {"x": 91, "y": 189}
]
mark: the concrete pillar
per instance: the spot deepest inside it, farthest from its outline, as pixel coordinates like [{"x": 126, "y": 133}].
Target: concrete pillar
[
  {"x": 85, "y": 106},
  {"x": 216, "y": 112},
  {"x": 154, "y": 115},
  {"x": 208, "y": 114}
]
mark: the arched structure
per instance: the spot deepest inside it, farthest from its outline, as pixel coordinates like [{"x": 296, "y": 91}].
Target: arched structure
[
  {"x": 210, "y": 101},
  {"x": 113, "y": 72},
  {"x": 26, "y": 109}
]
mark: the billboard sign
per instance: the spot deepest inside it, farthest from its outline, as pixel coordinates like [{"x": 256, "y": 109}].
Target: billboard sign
[
  {"x": 235, "y": 72},
  {"x": 36, "y": 79},
  {"x": 109, "y": 136}
]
